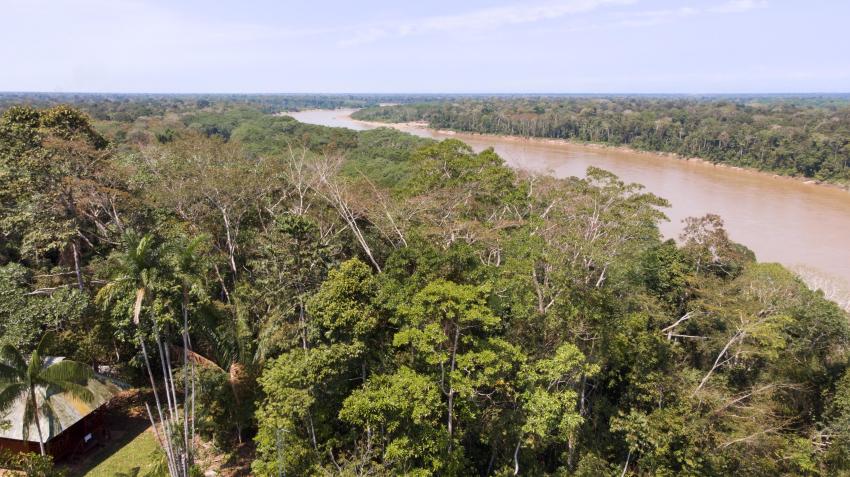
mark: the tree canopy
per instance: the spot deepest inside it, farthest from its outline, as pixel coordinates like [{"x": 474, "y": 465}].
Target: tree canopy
[{"x": 370, "y": 303}]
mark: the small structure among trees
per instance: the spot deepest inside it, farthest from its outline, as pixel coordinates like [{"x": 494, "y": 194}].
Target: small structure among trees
[{"x": 68, "y": 424}]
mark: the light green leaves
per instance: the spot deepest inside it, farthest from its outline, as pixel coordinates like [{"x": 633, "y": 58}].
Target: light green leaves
[
  {"x": 341, "y": 309},
  {"x": 550, "y": 399},
  {"x": 407, "y": 406}
]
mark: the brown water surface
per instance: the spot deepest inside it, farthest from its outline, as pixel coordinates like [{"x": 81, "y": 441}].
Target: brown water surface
[{"x": 781, "y": 219}]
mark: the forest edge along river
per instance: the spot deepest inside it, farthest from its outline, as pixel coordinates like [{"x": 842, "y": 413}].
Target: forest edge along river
[{"x": 803, "y": 226}]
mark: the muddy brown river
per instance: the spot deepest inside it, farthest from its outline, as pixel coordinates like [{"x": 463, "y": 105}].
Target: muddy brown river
[{"x": 803, "y": 226}]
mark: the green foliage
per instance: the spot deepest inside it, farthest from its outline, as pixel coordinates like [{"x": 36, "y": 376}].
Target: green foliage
[
  {"x": 384, "y": 156},
  {"x": 341, "y": 310},
  {"x": 24, "y": 317},
  {"x": 504, "y": 323},
  {"x": 31, "y": 465},
  {"x": 666, "y": 441},
  {"x": 49, "y": 162},
  {"x": 307, "y": 384},
  {"x": 550, "y": 399},
  {"x": 219, "y": 414},
  {"x": 668, "y": 273},
  {"x": 405, "y": 407},
  {"x": 290, "y": 263}
]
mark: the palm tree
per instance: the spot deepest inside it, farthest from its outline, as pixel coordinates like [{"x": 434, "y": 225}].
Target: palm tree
[
  {"x": 26, "y": 379},
  {"x": 188, "y": 268},
  {"x": 134, "y": 272},
  {"x": 137, "y": 272}
]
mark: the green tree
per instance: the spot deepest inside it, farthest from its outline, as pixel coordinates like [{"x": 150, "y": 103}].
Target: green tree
[
  {"x": 304, "y": 388},
  {"x": 289, "y": 265},
  {"x": 398, "y": 435},
  {"x": 58, "y": 189},
  {"x": 141, "y": 271},
  {"x": 25, "y": 314},
  {"x": 550, "y": 400},
  {"x": 450, "y": 333}
]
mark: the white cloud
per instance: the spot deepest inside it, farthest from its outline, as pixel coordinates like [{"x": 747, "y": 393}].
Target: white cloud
[
  {"x": 654, "y": 17},
  {"x": 657, "y": 17},
  {"x": 738, "y": 6},
  {"x": 483, "y": 19}
]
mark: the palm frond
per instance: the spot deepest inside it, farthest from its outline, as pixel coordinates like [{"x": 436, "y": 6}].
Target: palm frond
[
  {"x": 186, "y": 253},
  {"x": 65, "y": 371},
  {"x": 159, "y": 464},
  {"x": 10, "y": 373},
  {"x": 108, "y": 292},
  {"x": 41, "y": 351},
  {"x": 35, "y": 364},
  {"x": 49, "y": 414},
  {"x": 134, "y": 472},
  {"x": 223, "y": 347},
  {"x": 46, "y": 344},
  {"x": 9, "y": 394},
  {"x": 80, "y": 392},
  {"x": 143, "y": 246},
  {"x": 29, "y": 416},
  {"x": 13, "y": 357}
]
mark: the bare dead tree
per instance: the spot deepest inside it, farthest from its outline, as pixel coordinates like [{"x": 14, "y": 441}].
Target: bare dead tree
[{"x": 333, "y": 189}]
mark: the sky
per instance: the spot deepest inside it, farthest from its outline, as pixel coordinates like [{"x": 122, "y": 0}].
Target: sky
[{"x": 433, "y": 46}]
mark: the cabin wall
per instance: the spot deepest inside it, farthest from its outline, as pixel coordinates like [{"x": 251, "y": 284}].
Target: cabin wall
[
  {"x": 18, "y": 446},
  {"x": 71, "y": 440}
]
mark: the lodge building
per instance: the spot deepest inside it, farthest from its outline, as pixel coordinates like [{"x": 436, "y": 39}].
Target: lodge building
[{"x": 68, "y": 425}]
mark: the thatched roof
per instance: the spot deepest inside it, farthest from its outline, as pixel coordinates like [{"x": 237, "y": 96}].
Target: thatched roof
[{"x": 67, "y": 410}]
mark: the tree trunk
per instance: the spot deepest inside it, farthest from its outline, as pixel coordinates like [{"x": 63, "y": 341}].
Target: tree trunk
[
  {"x": 492, "y": 459},
  {"x": 302, "y": 321},
  {"x": 516, "y": 456},
  {"x": 451, "y": 394},
  {"x": 238, "y": 375},
  {"x": 312, "y": 432},
  {"x": 77, "y": 270},
  {"x": 37, "y": 423},
  {"x": 231, "y": 244},
  {"x": 137, "y": 309},
  {"x": 186, "y": 442}
]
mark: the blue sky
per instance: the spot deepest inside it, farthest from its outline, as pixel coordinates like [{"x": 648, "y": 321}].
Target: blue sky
[{"x": 440, "y": 46}]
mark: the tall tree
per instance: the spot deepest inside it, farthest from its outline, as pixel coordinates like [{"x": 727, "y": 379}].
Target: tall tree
[{"x": 140, "y": 271}]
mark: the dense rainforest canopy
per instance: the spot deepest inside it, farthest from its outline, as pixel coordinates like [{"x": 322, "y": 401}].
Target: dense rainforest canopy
[
  {"x": 799, "y": 136},
  {"x": 372, "y": 303}
]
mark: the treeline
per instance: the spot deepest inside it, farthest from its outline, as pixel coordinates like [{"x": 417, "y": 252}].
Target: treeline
[
  {"x": 370, "y": 303},
  {"x": 798, "y": 136},
  {"x": 126, "y": 108}
]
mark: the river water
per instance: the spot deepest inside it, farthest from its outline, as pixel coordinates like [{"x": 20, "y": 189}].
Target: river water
[{"x": 803, "y": 226}]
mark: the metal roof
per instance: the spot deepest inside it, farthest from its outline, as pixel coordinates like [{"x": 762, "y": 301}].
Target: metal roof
[{"x": 67, "y": 410}]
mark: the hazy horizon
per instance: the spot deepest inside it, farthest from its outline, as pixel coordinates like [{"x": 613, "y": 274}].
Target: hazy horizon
[
  {"x": 604, "y": 47},
  {"x": 439, "y": 94}
]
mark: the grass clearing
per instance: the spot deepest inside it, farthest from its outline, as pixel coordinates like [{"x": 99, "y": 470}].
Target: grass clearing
[{"x": 135, "y": 458}]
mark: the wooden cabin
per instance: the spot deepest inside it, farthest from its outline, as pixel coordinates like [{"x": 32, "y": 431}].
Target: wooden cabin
[{"x": 73, "y": 427}]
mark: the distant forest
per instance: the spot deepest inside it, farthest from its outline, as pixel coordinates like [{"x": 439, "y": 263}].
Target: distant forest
[
  {"x": 126, "y": 108},
  {"x": 797, "y": 135},
  {"x": 805, "y": 136}
]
